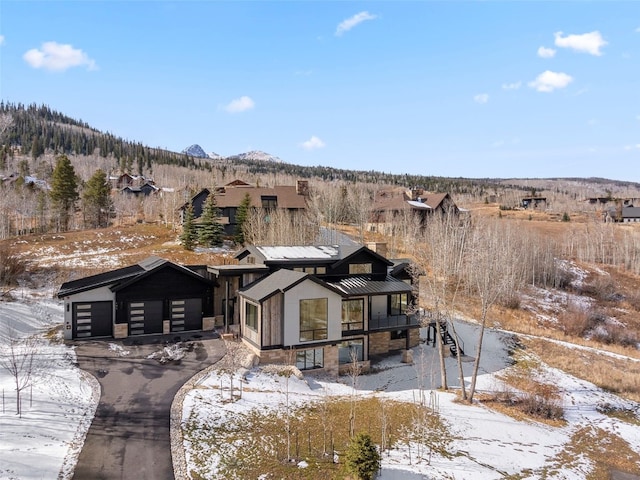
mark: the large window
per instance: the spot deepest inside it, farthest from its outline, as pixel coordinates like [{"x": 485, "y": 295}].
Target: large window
[
  {"x": 398, "y": 303},
  {"x": 349, "y": 350},
  {"x": 353, "y": 314},
  {"x": 251, "y": 316},
  {"x": 313, "y": 319},
  {"x": 359, "y": 268},
  {"x": 309, "y": 359}
]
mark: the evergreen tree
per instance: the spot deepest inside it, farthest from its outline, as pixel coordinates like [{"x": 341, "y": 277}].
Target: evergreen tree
[
  {"x": 211, "y": 230},
  {"x": 96, "y": 199},
  {"x": 64, "y": 193},
  {"x": 241, "y": 218},
  {"x": 188, "y": 236},
  {"x": 362, "y": 457}
]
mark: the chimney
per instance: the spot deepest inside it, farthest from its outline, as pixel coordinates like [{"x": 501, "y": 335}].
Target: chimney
[
  {"x": 379, "y": 247},
  {"x": 302, "y": 187}
]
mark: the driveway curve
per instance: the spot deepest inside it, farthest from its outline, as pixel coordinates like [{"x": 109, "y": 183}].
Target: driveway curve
[{"x": 129, "y": 437}]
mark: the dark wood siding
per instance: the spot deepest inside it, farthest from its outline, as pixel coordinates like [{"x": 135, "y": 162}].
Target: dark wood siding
[
  {"x": 165, "y": 285},
  {"x": 378, "y": 267}
]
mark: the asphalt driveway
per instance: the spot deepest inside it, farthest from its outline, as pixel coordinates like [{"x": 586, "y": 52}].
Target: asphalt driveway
[{"x": 129, "y": 436}]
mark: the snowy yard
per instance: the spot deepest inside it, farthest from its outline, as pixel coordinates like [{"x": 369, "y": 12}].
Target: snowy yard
[
  {"x": 44, "y": 442},
  {"x": 57, "y": 411},
  {"x": 486, "y": 444}
]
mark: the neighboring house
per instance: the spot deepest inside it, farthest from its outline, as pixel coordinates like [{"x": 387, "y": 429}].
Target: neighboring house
[
  {"x": 144, "y": 190},
  {"x": 153, "y": 296},
  {"x": 630, "y": 214},
  {"x": 230, "y": 196},
  {"x": 621, "y": 214},
  {"x": 392, "y": 203},
  {"x": 321, "y": 304}
]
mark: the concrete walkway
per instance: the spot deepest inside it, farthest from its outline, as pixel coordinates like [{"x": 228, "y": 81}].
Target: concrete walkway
[{"x": 130, "y": 434}]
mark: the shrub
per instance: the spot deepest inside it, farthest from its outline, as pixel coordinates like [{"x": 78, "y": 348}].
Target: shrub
[
  {"x": 11, "y": 267},
  {"x": 362, "y": 457}
]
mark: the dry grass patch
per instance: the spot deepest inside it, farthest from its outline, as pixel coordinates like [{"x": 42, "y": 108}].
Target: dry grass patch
[
  {"x": 605, "y": 451},
  {"x": 616, "y": 375},
  {"x": 254, "y": 443},
  {"x": 525, "y": 398}
]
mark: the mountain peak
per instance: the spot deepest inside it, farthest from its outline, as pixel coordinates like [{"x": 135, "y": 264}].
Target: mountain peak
[{"x": 195, "y": 150}]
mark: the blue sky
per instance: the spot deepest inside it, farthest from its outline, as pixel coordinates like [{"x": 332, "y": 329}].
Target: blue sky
[{"x": 459, "y": 89}]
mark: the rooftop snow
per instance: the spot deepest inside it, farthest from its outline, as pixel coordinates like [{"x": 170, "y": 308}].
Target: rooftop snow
[{"x": 299, "y": 252}]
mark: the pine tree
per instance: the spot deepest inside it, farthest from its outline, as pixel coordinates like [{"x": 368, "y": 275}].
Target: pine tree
[
  {"x": 362, "y": 457},
  {"x": 96, "y": 199},
  {"x": 188, "y": 236},
  {"x": 241, "y": 218},
  {"x": 211, "y": 230},
  {"x": 64, "y": 193}
]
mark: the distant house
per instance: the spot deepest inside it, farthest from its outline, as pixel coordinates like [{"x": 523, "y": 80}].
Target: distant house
[
  {"x": 120, "y": 182},
  {"x": 319, "y": 305},
  {"x": 230, "y": 196},
  {"x": 154, "y": 296},
  {"x": 533, "y": 202},
  {"x": 144, "y": 190},
  {"x": 392, "y": 203}
]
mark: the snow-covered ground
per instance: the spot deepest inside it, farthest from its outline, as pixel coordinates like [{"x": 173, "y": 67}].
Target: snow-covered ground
[
  {"x": 44, "y": 442},
  {"x": 486, "y": 445},
  {"x": 57, "y": 411}
]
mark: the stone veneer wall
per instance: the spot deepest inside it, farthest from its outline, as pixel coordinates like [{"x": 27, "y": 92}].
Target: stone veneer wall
[
  {"x": 379, "y": 343},
  {"x": 166, "y": 327},
  {"x": 283, "y": 357},
  {"x": 414, "y": 337},
  {"x": 120, "y": 330},
  {"x": 209, "y": 323}
]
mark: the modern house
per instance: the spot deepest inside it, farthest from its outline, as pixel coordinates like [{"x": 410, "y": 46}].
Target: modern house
[
  {"x": 319, "y": 305},
  {"x": 393, "y": 203},
  {"x": 230, "y": 196},
  {"x": 151, "y": 297}
]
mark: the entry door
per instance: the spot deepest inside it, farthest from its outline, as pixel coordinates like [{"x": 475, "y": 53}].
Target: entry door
[{"x": 145, "y": 317}]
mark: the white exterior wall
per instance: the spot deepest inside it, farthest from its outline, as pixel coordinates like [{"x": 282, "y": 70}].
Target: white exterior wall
[
  {"x": 101, "y": 294},
  {"x": 304, "y": 291}
]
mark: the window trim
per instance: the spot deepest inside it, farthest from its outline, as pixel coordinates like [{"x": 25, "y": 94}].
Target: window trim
[{"x": 251, "y": 325}]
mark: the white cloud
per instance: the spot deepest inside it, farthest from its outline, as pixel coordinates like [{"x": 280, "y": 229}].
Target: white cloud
[
  {"x": 544, "y": 52},
  {"x": 241, "y": 104},
  {"x": 313, "y": 143},
  {"x": 511, "y": 86},
  {"x": 481, "y": 98},
  {"x": 58, "y": 57},
  {"x": 351, "y": 22},
  {"x": 587, "y": 42},
  {"x": 497, "y": 144},
  {"x": 549, "y": 81},
  {"x": 638, "y": 30},
  {"x": 1, "y": 39}
]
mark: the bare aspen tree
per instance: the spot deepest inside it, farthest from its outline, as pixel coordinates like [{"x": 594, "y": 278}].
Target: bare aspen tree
[
  {"x": 19, "y": 360},
  {"x": 440, "y": 256},
  {"x": 355, "y": 369},
  {"x": 494, "y": 269},
  {"x": 360, "y": 207}
]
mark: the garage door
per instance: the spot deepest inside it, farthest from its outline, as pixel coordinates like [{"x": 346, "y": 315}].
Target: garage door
[
  {"x": 145, "y": 317},
  {"x": 186, "y": 314},
  {"x": 92, "y": 319}
]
